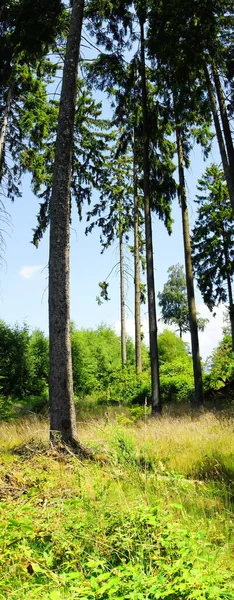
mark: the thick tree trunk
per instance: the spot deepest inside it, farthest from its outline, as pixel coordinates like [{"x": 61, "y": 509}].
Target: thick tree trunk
[
  {"x": 225, "y": 121},
  {"x": 220, "y": 139},
  {"x": 122, "y": 298},
  {"x": 62, "y": 409},
  {"x": 189, "y": 276},
  {"x": 3, "y": 130},
  {"x": 137, "y": 278},
  {"x": 156, "y": 400}
]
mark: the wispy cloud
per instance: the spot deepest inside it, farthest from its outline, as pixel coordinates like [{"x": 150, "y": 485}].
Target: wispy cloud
[{"x": 29, "y": 271}]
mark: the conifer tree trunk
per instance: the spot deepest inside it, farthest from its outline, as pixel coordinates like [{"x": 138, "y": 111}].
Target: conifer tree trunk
[
  {"x": 229, "y": 289},
  {"x": 225, "y": 121},
  {"x": 156, "y": 400},
  {"x": 122, "y": 298},
  {"x": 189, "y": 275},
  {"x": 3, "y": 130},
  {"x": 137, "y": 270},
  {"x": 62, "y": 409},
  {"x": 220, "y": 139},
  {"x": 231, "y": 308}
]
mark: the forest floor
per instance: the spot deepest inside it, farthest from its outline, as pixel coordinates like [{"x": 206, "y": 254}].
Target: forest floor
[{"x": 148, "y": 516}]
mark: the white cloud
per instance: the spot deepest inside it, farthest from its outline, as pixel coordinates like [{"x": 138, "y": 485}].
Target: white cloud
[
  {"x": 213, "y": 333},
  {"x": 208, "y": 339},
  {"x": 29, "y": 271}
]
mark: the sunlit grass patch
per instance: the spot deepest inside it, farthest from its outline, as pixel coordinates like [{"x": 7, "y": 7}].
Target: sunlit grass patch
[{"x": 150, "y": 517}]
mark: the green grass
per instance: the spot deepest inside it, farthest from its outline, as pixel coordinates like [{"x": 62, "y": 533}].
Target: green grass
[{"x": 150, "y": 518}]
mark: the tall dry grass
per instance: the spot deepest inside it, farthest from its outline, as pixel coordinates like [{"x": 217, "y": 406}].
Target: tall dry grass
[{"x": 181, "y": 443}]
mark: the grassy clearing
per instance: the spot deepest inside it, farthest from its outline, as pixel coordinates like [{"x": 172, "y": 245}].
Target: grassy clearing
[{"x": 149, "y": 518}]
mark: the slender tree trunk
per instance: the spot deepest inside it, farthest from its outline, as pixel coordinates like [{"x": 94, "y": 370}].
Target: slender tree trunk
[
  {"x": 156, "y": 400},
  {"x": 122, "y": 297},
  {"x": 220, "y": 139},
  {"x": 189, "y": 276},
  {"x": 62, "y": 409},
  {"x": 229, "y": 287},
  {"x": 231, "y": 308},
  {"x": 3, "y": 130},
  {"x": 225, "y": 121},
  {"x": 137, "y": 279}
]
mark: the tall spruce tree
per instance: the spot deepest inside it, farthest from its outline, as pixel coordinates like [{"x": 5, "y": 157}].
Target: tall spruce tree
[
  {"x": 62, "y": 408},
  {"x": 158, "y": 190},
  {"x": 154, "y": 359},
  {"x": 212, "y": 241},
  {"x": 87, "y": 158},
  {"x": 137, "y": 260},
  {"x": 185, "y": 99},
  {"x": 198, "y": 399},
  {"x": 195, "y": 39}
]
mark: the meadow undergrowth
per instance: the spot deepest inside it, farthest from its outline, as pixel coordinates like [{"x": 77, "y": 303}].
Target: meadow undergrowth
[{"x": 150, "y": 518}]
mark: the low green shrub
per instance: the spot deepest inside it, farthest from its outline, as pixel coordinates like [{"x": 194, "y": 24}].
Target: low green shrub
[
  {"x": 176, "y": 388},
  {"x": 7, "y": 409},
  {"x": 126, "y": 387},
  {"x": 176, "y": 381}
]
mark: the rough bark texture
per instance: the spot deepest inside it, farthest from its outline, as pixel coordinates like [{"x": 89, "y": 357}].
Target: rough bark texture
[
  {"x": 220, "y": 139},
  {"x": 3, "y": 131},
  {"x": 62, "y": 409},
  {"x": 122, "y": 299},
  {"x": 225, "y": 121},
  {"x": 156, "y": 400},
  {"x": 137, "y": 279},
  {"x": 189, "y": 276}
]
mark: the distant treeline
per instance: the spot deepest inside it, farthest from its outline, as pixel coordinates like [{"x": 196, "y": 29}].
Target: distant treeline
[{"x": 97, "y": 367}]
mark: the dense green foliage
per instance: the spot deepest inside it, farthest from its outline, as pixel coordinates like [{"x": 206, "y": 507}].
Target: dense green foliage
[
  {"x": 23, "y": 361},
  {"x": 176, "y": 371},
  {"x": 213, "y": 238},
  {"x": 97, "y": 368},
  {"x": 221, "y": 364}
]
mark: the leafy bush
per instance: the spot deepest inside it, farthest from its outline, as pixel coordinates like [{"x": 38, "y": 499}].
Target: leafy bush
[
  {"x": 221, "y": 364},
  {"x": 126, "y": 387},
  {"x": 7, "y": 409},
  {"x": 15, "y": 368},
  {"x": 176, "y": 373},
  {"x": 97, "y": 369},
  {"x": 176, "y": 384},
  {"x": 96, "y": 355},
  {"x": 23, "y": 361},
  {"x": 171, "y": 347}
]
